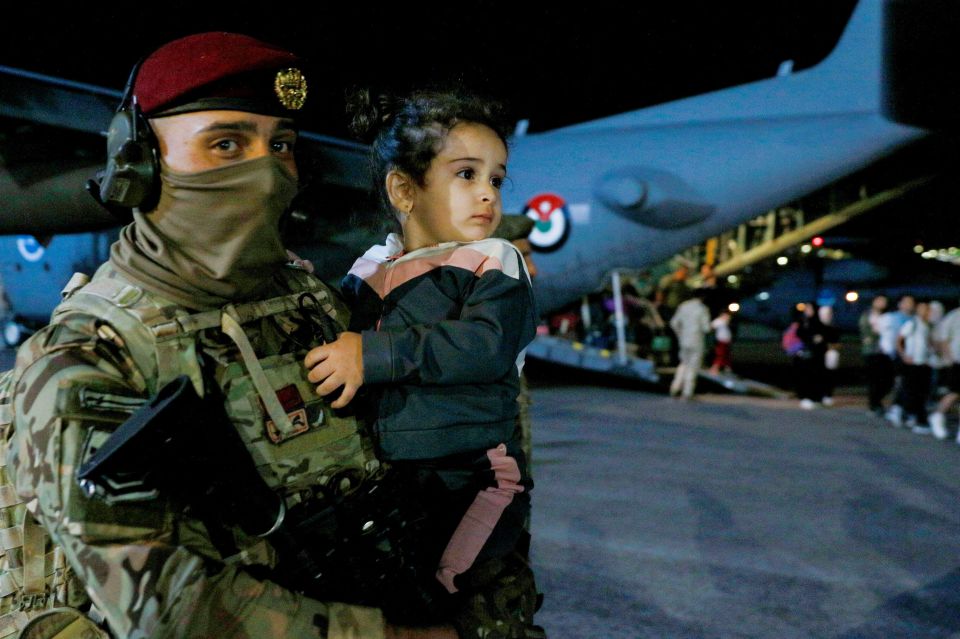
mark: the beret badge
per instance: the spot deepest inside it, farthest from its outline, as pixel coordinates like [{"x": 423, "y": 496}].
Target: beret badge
[{"x": 291, "y": 88}]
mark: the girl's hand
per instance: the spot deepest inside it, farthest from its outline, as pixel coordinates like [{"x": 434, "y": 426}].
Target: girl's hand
[
  {"x": 335, "y": 365},
  {"x": 295, "y": 259}
]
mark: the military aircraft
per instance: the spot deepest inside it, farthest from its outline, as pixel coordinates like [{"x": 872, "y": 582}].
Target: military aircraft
[{"x": 628, "y": 190}]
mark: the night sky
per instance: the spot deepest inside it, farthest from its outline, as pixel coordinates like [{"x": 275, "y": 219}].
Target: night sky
[{"x": 552, "y": 66}]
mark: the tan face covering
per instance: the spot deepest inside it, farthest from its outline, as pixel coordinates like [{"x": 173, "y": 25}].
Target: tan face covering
[{"x": 214, "y": 237}]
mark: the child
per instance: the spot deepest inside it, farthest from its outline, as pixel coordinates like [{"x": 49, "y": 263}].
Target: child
[
  {"x": 440, "y": 318},
  {"x": 724, "y": 339}
]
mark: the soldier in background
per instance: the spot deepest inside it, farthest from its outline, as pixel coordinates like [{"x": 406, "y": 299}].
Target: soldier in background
[{"x": 196, "y": 286}]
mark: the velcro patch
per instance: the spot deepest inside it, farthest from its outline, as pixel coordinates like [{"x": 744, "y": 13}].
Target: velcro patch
[{"x": 292, "y": 402}]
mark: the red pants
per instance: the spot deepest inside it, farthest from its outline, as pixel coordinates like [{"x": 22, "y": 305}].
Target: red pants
[{"x": 721, "y": 355}]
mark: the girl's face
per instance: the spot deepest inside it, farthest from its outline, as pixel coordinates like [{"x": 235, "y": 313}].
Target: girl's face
[{"x": 460, "y": 199}]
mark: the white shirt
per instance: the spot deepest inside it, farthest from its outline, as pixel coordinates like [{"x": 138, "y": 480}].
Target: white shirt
[
  {"x": 890, "y": 324},
  {"x": 721, "y": 327},
  {"x": 916, "y": 341},
  {"x": 948, "y": 332}
]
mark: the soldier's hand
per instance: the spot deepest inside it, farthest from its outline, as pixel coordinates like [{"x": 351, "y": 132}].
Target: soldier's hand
[{"x": 337, "y": 364}]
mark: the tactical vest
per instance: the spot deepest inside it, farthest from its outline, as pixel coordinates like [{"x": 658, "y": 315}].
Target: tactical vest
[{"x": 297, "y": 442}]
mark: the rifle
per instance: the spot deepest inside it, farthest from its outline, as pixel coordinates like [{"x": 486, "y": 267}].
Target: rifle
[{"x": 361, "y": 547}]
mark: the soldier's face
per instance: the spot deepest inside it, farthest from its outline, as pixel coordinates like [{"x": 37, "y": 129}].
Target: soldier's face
[{"x": 193, "y": 142}]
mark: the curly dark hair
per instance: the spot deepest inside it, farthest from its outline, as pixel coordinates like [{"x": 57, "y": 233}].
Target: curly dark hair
[{"x": 406, "y": 133}]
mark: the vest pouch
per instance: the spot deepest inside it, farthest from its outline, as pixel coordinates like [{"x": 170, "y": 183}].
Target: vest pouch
[
  {"x": 34, "y": 573},
  {"x": 321, "y": 443}
]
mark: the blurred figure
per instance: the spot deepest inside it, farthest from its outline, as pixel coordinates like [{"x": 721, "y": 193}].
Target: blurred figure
[
  {"x": 691, "y": 323},
  {"x": 890, "y": 325},
  {"x": 947, "y": 343},
  {"x": 913, "y": 346},
  {"x": 673, "y": 292},
  {"x": 936, "y": 360},
  {"x": 831, "y": 357},
  {"x": 716, "y": 295},
  {"x": 722, "y": 356},
  {"x": 809, "y": 361},
  {"x": 879, "y": 365}
]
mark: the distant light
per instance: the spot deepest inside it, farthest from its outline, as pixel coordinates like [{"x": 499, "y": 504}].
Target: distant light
[
  {"x": 817, "y": 241},
  {"x": 732, "y": 279},
  {"x": 763, "y": 296},
  {"x": 918, "y": 249},
  {"x": 734, "y": 307},
  {"x": 852, "y": 296},
  {"x": 801, "y": 306},
  {"x": 782, "y": 260},
  {"x": 949, "y": 255},
  {"x": 806, "y": 248}
]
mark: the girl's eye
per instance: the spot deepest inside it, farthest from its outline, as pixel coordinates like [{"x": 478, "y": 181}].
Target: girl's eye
[
  {"x": 497, "y": 182},
  {"x": 466, "y": 174}
]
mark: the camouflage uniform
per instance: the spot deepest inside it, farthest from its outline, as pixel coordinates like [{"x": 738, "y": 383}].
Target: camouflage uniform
[
  {"x": 150, "y": 570},
  {"x": 526, "y": 426}
]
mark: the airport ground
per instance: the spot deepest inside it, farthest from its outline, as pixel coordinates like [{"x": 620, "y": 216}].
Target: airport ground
[{"x": 736, "y": 517}]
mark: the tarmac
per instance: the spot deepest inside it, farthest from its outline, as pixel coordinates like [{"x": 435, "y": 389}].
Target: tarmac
[{"x": 736, "y": 517}]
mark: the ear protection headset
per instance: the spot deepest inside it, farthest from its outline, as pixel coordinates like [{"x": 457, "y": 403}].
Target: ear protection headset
[{"x": 131, "y": 176}]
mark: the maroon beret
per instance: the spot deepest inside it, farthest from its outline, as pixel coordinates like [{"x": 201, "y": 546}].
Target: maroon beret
[{"x": 219, "y": 70}]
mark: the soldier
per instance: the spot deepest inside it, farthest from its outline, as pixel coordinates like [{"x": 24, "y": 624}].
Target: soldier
[{"x": 196, "y": 286}]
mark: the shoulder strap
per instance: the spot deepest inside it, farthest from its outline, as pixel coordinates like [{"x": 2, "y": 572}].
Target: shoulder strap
[
  {"x": 161, "y": 336},
  {"x": 128, "y": 314}
]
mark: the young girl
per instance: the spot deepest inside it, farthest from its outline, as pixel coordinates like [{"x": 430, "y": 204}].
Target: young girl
[{"x": 440, "y": 318}]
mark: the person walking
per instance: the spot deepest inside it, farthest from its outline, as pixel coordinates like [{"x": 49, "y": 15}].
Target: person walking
[
  {"x": 691, "y": 323},
  {"x": 879, "y": 367}
]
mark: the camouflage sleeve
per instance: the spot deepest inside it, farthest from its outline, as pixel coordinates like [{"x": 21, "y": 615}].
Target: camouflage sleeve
[{"x": 150, "y": 573}]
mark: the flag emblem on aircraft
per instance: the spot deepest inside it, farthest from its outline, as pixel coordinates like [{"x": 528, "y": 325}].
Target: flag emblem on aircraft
[
  {"x": 30, "y": 249},
  {"x": 551, "y": 221}
]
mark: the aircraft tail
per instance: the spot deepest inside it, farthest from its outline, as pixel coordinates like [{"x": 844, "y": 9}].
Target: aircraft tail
[{"x": 846, "y": 81}]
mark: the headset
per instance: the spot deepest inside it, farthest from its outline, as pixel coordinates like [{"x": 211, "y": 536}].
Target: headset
[{"x": 131, "y": 176}]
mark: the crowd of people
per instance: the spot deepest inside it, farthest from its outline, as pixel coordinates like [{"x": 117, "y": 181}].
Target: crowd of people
[
  {"x": 671, "y": 323},
  {"x": 811, "y": 340},
  {"x": 911, "y": 356}
]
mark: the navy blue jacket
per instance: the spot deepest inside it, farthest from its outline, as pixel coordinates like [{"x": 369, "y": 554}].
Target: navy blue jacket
[{"x": 443, "y": 329}]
